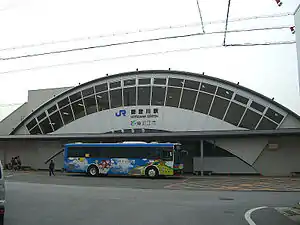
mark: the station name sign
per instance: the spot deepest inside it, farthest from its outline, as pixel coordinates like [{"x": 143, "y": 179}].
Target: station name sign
[{"x": 140, "y": 117}]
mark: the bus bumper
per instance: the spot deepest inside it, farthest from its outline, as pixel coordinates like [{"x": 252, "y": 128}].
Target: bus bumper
[{"x": 178, "y": 172}]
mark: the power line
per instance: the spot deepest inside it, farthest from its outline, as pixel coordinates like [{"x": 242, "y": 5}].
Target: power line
[
  {"x": 226, "y": 24},
  {"x": 149, "y": 30},
  {"x": 146, "y": 54},
  {"x": 10, "y": 104},
  {"x": 261, "y": 44},
  {"x": 200, "y": 14},
  {"x": 141, "y": 41}
]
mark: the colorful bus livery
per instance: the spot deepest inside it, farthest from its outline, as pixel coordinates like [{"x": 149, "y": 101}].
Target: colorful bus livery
[{"x": 140, "y": 159}]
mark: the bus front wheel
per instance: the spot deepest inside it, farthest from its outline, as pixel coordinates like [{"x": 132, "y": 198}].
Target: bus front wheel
[
  {"x": 93, "y": 171},
  {"x": 151, "y": 172}
]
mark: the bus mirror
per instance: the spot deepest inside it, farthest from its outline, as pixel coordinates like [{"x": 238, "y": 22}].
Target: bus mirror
[
  {"x": 177, "y": 147},
  {"x": 184, "y": 153}
]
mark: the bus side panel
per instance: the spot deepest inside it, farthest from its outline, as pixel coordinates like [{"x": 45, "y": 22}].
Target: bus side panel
[{"x": 117, "y": 166}]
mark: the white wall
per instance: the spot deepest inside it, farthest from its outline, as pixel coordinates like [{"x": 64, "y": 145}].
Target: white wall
[
  {"x": 170, "y": 119},
  {"x": 32, "y": 153},
  {"x": 281, "y": 161},
  {"x": 248, "y": 149},
  {"x": 290, "y": 122},
  {"x": 12, "y": 120},
  {"x": 297, "y": 24},
  {"x": 38, "y": 97},
  {"x": 225, "y": 165}
]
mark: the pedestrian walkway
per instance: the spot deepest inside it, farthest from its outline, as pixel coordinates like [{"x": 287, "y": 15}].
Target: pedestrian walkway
[{"x": 283, "y": 184}]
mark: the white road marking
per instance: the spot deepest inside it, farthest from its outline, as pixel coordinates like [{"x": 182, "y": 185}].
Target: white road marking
[
  {"x": 7, "y": 176},
  {"x": 248, "y": 214}
]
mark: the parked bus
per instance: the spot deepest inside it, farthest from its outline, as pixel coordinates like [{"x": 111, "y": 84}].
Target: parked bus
[{"x": 127, "y": 158}]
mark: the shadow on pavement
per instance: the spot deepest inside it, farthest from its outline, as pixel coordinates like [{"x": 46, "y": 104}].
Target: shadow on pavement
[{"x": 124, "y": 176}]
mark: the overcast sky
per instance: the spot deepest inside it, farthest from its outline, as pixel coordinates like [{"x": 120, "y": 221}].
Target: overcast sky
[{"x": 270, "y": 70}]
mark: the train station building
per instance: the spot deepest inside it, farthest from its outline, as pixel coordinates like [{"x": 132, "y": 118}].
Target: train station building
[{"x": 225, "y": 127}]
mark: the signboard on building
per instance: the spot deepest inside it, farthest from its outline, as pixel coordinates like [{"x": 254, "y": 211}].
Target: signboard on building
[{"x": 139, "y": 117}]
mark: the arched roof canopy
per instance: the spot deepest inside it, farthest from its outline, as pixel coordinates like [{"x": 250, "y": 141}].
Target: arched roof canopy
[{"x": 200, "y": 93}]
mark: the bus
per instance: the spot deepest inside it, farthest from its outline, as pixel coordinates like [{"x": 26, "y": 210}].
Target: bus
[{"x": 127, "y": 158}]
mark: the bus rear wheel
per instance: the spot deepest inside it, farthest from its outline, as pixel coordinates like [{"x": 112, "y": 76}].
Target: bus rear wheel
[
  {"x": 151, "y": 172},
  {"x": 93, "y": 171}
]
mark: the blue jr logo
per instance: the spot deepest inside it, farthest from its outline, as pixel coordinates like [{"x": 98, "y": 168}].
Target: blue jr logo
[{"x": 122, "y": 112}]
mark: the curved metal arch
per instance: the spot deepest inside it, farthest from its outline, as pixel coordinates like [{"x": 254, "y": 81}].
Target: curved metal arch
[{"x": 179, "y": 73}]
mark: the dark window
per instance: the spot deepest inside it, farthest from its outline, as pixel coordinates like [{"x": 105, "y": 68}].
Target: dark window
[
  {"x": 45, "y": 126},
  {"x": 191, "y": 84},
  {"x": 78, "y": 109},
  {"x": 90, "y": 104},
  {"x": 208, "y": 88},
  {"x": 36, "y": 130},
  {"x": 81, "y": 151},
  {"x": 159, "y": 80},
  {"x": 224, "y": 93},
  {"x": 273, "y": 115},
  {"x": 143, "y": 95},
  {"x": 67, "y": 115},
  {"x": 167, "y": 155},
  {"x": 234, "y": 113},
  {"x": 116, "y": 98},
  {"x": 250, "y": 120},
  {"x": 41, "y": 116},
  {"x": 203, "y": 102},
  {"x": 144, "y": 81},
  {"x": 101, "y": 87},
  {"x": 88, "y": 92},
  {"x": 257, "y": 106},
  {"x": 266, "y": 124},
  {"x": 115, "y": 84},
  {"x": 241, "y": 99},
  {"x": 148, "y": 111},
  {"x": 31, "y": 124},
  {"x": 131, "y": 152},
  {"x": 52, "y": 109},
  {"x": 155, "y": 111},
  {"x": 133, "y": 112},
  {"x": 129, "y": 82},
  {"x": 129, "y": 95},
  {"x": 173, "y": 96},
  {"x": 102, "y": 100},
  {"x": 175, "y": 82},
  {"x": 75, "y": 97},
  {"x": 219, "y": 107},
  {"x": 63, "y": 102},
  {"x": 158, "y": 95},
  {"x": 211, "y": 150},
  {"x": 188, "y": 99},
  {"x": 140, "y": 111},
  {"x": 56, "y": 121}
]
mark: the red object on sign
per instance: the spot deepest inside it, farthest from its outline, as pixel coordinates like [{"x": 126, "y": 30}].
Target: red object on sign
[
  {"x": 293, "y": 29},
  {"x": 279, "y": 2}
]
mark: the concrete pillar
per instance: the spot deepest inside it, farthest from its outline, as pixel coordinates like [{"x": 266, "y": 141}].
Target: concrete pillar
[{"x": 202, "y": 161}]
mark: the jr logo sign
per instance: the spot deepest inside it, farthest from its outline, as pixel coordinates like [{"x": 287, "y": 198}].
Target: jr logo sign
[{"x": 122, "y": 112}]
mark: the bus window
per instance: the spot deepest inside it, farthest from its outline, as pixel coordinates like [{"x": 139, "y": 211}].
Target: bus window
[{"x": 167, "y": 155}]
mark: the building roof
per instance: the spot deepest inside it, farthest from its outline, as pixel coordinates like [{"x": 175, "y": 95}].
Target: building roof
[{"x": 180, "y": 73}]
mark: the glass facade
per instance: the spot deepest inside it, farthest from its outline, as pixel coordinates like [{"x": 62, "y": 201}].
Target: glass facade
[{"x": 199, "y": 96}]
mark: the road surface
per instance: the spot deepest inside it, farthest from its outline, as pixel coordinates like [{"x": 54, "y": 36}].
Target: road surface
[{"x": 34, "y": 199}]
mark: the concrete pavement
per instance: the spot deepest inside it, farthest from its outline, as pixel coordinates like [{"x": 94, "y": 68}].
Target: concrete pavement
[{"x": 234, "y": 183}]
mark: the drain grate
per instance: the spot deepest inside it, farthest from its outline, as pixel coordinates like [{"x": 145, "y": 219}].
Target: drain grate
[
  {"x": 289, "y": 212},
  {"x": 225, "y": 199}
]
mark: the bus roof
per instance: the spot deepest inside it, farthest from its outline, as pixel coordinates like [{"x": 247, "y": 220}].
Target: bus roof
[{"x": 121, "y": 144}]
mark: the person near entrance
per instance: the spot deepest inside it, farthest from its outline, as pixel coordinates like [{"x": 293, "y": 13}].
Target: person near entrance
[{"x": 51, "y": 168}]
